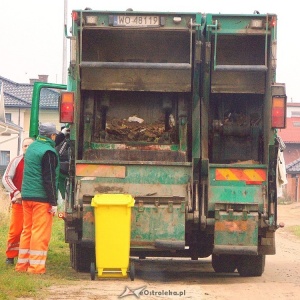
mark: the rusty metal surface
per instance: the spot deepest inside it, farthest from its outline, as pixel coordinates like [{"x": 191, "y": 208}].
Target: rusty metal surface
[
  {"x": 151, "y": 223},
  {"x": 135, "y": 155},
  {"x": 91, "y": 188},
  {"x": 88, "y": 223},
  {"x": 237, "y": 82},
  {"x": 100, "y": 170},
  {"x": 136, "y": 80},
  {"x": 235, "y": 229}
]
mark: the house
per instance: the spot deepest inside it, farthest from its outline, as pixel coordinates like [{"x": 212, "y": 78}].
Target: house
[
  {"x": 291, "y": 137},
  {"x": 15, "y": 105},
  {"x": 291, "y": 134},
  {"x": 293, "y": 186}
]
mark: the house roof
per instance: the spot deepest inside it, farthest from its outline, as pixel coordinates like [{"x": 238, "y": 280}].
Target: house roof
[
  {"x": 293, "y": 104},
  {"x": 293, "y": 167},
  {"x": 20, "y": 95},
  {"x": 8, "y": 128}
]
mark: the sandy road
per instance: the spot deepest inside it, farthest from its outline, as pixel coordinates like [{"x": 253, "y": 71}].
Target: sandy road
[{"x": 186, "y": 279}]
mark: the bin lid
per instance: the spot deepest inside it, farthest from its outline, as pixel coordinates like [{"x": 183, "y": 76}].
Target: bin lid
[{"x": 112, "y": 199}]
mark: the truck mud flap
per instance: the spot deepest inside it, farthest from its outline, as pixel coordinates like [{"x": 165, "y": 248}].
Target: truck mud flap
[
  {"x": 236, "y": 232},
  {"x": 167, "y": 244}
]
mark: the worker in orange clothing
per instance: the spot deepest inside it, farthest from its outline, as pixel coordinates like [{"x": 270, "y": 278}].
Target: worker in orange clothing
[
  {"x": 12, "y": 181},
  {"x": 39, "y": 196}
]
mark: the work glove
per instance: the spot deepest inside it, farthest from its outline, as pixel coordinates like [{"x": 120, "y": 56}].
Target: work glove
[
  {"x": 65, "y": 131},
  {"x": 53, "y": 210}
]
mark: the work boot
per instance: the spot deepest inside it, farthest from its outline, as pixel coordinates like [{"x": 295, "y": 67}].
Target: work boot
[{"x": 9, "y": 261}]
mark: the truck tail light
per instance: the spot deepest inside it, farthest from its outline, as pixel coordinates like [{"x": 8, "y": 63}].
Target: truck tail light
[
  {"x": 74, "y": 15},
  {"x": 278, "y": 111},
  {"x": 278, "y": 115},
  {"x": 66, "y": 110},
  {"x": 272, "y": 22}
]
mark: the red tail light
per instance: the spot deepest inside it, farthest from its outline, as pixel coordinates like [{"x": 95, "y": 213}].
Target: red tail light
[
  {"x": 278, "y": 112},
  {"x": 74, "y": 15},
  {"x": 272, "y": 22},
  {"x": 66, "y": 112}
]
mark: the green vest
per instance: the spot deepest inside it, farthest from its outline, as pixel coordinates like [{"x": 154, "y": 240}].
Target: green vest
[{"x": 32, "y": 186}]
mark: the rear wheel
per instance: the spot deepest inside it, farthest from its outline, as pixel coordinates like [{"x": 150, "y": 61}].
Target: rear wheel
[
  {"x": 81, "y": 257},
  {"x": 224, "y": 263},
  {"x": 251, "y": 265}
]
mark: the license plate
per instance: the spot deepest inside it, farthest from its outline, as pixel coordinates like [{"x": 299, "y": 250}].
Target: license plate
[{"x": 136, "y": 21}]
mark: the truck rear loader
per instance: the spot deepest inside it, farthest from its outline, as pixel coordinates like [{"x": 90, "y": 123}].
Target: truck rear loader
[{"x": 180, "y": 111}]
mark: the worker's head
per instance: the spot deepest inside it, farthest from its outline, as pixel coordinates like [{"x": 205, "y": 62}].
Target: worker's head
[
  {"x": 48, "y": 129},
  {"x": 25, "y": 144}
]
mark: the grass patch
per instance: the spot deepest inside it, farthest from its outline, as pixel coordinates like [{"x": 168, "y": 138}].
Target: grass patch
[
  {"x": 295, "y": 230},
  {"x": 58, "y": 270}
]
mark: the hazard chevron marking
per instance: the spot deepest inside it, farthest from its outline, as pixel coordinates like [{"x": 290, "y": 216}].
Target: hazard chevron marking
[{"x": 241, "y": 174}]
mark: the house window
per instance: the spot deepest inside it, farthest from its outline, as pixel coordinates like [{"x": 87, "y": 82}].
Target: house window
[
  {"x": 295, "y": 113},
  {"x": 8, "y": 117},
  {"x": 4, "y": 158}
]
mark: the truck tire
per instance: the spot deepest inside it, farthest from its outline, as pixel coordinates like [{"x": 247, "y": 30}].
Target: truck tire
[
  {"x": 81, "y": 257},
  {"x": 251, "y": 265},
  {"x": 224, "y": 263}
]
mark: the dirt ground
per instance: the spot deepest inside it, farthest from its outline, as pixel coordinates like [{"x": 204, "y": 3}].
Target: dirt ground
[{"x": 186, "y": 279}]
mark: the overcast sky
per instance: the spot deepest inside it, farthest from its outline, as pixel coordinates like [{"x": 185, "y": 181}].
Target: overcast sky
[{"x": 31, "y": 33}]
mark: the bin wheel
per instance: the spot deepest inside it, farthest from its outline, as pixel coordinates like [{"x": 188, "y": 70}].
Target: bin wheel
[
  {"x": 131, "y": 271},
  {"x": 93, "y": 271}
]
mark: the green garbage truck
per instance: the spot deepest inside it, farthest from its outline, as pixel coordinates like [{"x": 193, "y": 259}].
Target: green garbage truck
[{"x": 180, "y": 111}]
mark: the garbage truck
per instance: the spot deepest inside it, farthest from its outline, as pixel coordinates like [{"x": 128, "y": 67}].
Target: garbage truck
[{"x": 180, "y": 111}]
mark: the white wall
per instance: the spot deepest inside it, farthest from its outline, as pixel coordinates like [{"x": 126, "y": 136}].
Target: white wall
[
  {"x": 294, "y": 109},
  {"x": 21, "y": 117}
]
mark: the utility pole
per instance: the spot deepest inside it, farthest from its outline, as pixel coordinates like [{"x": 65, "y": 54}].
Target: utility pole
[{"x": 64, "y": 65}]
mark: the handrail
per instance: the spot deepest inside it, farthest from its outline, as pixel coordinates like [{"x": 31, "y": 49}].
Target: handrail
[
  {"x": 66, "y": 32},
  {"x": 251, "y": 68},
  {"x": 215, "y": 26},
  {"x": 35, "y": 104},
  {"x": 191, "y": 41},
  {"x": 135, "y": 65}
]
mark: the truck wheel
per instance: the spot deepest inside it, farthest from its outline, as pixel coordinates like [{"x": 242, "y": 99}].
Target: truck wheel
[
  {"x": 224, "y": 263},
  {"x": 81, "y": 257},
  {"x": 251, "y": 265}
]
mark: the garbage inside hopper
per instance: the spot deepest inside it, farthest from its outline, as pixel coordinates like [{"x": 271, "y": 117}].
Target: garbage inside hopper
[{"x": 128, "y": 130}]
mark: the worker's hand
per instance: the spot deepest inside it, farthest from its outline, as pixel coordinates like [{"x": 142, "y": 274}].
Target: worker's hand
[
  {"x": 53, "y": 210},
  {"x": 17, "y": 198},
  {"x": 65, "y": 131}
]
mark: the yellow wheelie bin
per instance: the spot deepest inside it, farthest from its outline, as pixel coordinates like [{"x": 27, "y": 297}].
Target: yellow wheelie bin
[{"x": 112, "y": 235}]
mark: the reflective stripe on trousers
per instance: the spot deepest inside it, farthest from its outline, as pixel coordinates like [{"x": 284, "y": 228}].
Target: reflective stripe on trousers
[
  {"x": 35, "y": 237},
  {"x": 15, "y": 230}
]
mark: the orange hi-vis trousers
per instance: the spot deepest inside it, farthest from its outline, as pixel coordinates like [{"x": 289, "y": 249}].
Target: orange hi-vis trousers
[
  {"x": 15, "y": 229},
  {"x": 35, "y": 237}
]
